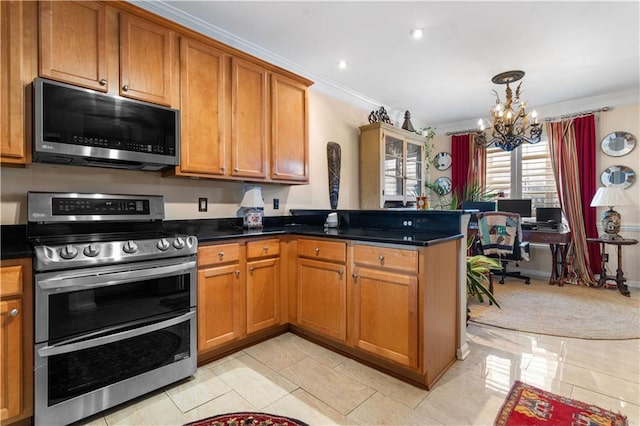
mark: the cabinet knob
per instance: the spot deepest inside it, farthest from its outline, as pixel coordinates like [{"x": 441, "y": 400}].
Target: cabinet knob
[
  {"x": 237, "y": 273},
  {"x": 102, "y": 82},
  {"x": 223, "y": 168},
  {"x": 221, "y": 254},
  {"x": 235, "y": 169},
  {"x": 317, "y": 250},
  {"x": 381, "y": 258},
  {"x": 14, "y": 312},
  {"x": 125, "y": 88},
  {"x": 354, "y": 275},
  {"x": 341, "y": 273},
  {"x": 265, "y": 248}
]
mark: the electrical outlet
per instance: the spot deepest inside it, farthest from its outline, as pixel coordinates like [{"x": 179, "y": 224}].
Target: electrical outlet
[
  {"x": 202, "y": 204},
  {"x": 606, "y": 257},
  {"x": 276, "y": 203}
]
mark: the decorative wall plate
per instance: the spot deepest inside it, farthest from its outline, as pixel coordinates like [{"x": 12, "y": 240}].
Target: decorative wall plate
[
  {"x": 442, "y": 160},
  {"x": 617, "y": 144},
  {"x": 444, "y": 183},
  {"x": 618, "y": 176}
]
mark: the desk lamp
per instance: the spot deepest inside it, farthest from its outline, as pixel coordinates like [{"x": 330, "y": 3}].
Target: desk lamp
[
  {"x": 253, "y": 206},
  {"x": 609, "y": 196}
]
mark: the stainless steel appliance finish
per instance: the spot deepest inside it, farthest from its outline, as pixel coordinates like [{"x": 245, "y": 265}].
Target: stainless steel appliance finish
[
  {"x": 114, "y": 318},
  {"x": 83, "y": 127}
]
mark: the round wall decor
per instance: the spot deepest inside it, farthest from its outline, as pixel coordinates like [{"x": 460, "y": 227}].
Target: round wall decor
[
  {"x": 444, "y": 184},
  {"x": 618, "y": 176},
  {"x": 442, "y": 160},
  {"x": 617, "y": 144}
]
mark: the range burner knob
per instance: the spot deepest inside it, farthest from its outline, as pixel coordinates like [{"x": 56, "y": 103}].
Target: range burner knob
[
  {"x": 68, "y": 252},
  {"x": 130, "y": 247},
  {"x": 163, "y": 244},
  {"x": 91, "y": 250},
  {"x": 178, "y": 243}
]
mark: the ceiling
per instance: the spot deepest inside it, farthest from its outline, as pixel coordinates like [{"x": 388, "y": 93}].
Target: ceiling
[{"x": 569, "y": 50}]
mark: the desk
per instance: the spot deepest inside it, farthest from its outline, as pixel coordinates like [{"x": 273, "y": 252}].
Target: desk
[
  {"x": 619, "y": 278},
  {"x": 559, "y": 243}
]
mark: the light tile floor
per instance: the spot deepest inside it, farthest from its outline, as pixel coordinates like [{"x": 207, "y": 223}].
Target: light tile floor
[{"x": 290, "y": 376}]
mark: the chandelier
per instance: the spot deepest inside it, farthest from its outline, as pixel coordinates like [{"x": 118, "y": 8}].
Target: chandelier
[{"x": 510, "y": 121}]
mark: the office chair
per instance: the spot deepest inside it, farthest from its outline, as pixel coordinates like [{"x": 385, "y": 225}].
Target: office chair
[{"x": 499, "y": 236}]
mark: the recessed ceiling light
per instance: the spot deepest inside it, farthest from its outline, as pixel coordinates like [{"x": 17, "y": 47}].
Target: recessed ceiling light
[
  {"x": 417, "y": 33},
  {"x": 342, "y": 65}
]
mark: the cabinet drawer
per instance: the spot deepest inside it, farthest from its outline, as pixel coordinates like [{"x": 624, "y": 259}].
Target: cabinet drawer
[
  {"x": 11, "y": 279},
  {"x": 263, "y": 248},
  {"x": 321, "y": 249},
  {"x": 218, "y": 254},
  {"x": 385, "y": 257}
]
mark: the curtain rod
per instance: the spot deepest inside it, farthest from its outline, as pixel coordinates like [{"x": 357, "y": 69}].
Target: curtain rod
[
  {"x": 462, "y": 132},
  {"x": 577, "y": 114}
]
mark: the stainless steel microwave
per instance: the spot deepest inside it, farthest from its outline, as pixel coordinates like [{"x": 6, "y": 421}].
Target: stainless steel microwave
[{"x": 83, "y": 127}]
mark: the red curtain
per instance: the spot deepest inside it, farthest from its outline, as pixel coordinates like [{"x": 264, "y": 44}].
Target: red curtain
[
  {"x": 460, "y": 154},
  {"x": 585, "y": 131}
]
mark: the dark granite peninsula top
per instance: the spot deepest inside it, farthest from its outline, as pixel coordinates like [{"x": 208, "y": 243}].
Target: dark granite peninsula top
[
  {"x": 418, "y": 228},
  {"x": 408, "y": 227}
]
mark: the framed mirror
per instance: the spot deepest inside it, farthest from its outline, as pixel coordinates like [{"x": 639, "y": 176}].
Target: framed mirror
[
  {"x": 444, "y": 184},
  {"x": 618, "y": 176},
  {"x": 442, "y": 160},
  {"x": 617, "y": 144}
]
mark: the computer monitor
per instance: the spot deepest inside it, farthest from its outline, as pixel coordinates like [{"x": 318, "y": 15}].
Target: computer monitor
[
  {"x": 520, "y": 206},
  {"x": 549, "y": 214},
  {"x": 481, "y": 206}
]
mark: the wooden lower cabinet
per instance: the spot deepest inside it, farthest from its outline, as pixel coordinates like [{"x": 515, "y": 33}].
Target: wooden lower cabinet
[
  {"x": 385, "y": 315},
  {"x": 263, "y": 284},
  {"x": 322, "y": 292},
  {"x": 16, "y": 341}
]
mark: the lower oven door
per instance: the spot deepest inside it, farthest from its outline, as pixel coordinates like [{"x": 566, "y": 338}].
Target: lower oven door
[{"x": 109, "y": 334}]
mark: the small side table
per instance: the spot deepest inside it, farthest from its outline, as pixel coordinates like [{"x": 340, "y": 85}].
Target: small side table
[{"x": 619, "y": 278}]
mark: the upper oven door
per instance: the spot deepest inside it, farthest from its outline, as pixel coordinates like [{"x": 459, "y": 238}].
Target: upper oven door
[{"x": 84, "y": 301}]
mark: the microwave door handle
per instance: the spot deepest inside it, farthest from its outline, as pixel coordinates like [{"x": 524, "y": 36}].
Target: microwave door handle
[
  {"x": 88, "y": 281},
  {"x": 63, "y": 348}
]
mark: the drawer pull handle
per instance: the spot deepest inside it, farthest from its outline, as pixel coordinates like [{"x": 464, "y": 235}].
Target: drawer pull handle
[
  {"x": 14, "y": 312},
  {"x": 265, "y": 248},
  {"x": 317, "y": 251},
  {"x": 221, "y": 254},
  {"x": 381, "y": 258}
]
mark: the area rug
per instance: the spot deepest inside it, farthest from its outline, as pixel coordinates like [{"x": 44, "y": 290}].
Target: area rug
[
  {"x": 528, "y": 405},
  {"x": 567, "y": 311},
  {"x": 248, "y": 419}
]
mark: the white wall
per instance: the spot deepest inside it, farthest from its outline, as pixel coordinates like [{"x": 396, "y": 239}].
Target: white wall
[{"x": 329, "y": 120}]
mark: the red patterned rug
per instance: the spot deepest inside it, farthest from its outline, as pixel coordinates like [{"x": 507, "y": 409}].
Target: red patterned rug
[
  {"x": 528, "y": 405},
  {"x": 247, "y": 419}
]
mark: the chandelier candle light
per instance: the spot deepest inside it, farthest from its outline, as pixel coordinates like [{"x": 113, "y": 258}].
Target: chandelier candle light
[
  {"x": 510, "y": 122},
  {"x": 609, "y": 196}
]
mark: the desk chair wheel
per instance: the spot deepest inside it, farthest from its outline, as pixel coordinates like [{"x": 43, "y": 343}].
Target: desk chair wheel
[{"x": 527, "y": 281}]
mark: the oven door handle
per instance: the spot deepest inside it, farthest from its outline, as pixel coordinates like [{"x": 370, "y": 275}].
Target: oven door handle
[
  {"x": 63, "y": 347},
  {"x": 80, "y": 280}
]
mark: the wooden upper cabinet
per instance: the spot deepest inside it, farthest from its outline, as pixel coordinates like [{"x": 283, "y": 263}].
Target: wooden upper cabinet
[
  {"x": 18, "y": 62},
  {"x": 289, "y": 130},
  {"x": 73, "y": 43},
  {"x": 146, "y": 60},
  {"x": 248, "y": 119},
  {"x": 202, "y": 105}
]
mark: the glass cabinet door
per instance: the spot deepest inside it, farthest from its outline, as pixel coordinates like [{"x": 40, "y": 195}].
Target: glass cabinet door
[
  {"x": 414, "y": 167},
  {"x": 393, "y": 168}
]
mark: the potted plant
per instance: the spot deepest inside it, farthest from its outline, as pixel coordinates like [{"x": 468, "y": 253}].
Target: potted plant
[{"x": 479, "y": 268}]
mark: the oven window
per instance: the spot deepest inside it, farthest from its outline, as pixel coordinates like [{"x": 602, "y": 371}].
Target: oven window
[
  {"x": 77, "y": 373},
  {"x": 82, "y": 311}
]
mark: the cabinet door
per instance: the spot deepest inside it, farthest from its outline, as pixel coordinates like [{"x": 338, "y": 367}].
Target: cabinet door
[
  {"x": 414, "y": 166},
  {"x": 11, "y": 386},
  {"x": 73, "y": 43},
  {"x": 146, "y": 60},
  {"x": 263, "y": 290},
  {"x": 393, "y": 188},
  {"x": 248, "y": 119},
  {"x": 322, "y": 295},
  {"x": 17, "y": 61},
  {"x": 220, "y": 306},
  {"x": 386, "y": 315},
  {"x": 202, "y": 81},
  {"x": 289, "y": 132}
]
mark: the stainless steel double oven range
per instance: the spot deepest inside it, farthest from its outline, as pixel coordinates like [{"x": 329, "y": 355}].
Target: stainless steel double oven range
[{"x": 115, "y": 302}]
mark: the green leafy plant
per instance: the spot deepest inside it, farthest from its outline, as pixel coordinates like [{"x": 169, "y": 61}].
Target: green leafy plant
[{"x": 478, "y": 269}]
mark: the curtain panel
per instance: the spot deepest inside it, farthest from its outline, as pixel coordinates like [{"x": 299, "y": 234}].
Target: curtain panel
[
  {"x": 460, "y": 159},
  {"x": 572, "y": 151}
]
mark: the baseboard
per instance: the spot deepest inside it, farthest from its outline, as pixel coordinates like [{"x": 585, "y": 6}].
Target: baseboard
[{"x": 534, "y": 273}]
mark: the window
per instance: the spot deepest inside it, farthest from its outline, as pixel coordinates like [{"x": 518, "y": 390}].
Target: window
[{"x": 525, "y": 172}]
